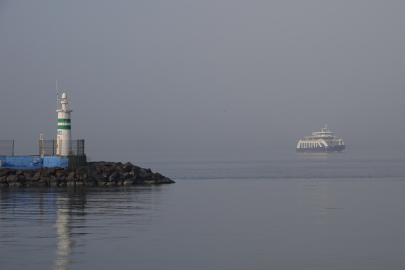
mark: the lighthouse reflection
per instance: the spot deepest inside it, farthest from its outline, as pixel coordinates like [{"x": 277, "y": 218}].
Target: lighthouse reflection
[
  {"x": 60, "y": 227},
  {"x": 70, "y": 205},
  {"x": 81, "y": 210},
  {"x": 65, "y": 244}
]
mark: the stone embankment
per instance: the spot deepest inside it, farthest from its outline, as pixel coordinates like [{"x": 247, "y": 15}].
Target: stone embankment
[{"x": 96, "y": 173}]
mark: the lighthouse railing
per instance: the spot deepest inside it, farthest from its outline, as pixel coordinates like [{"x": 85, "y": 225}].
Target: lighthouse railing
[{"x": 55, "y": 148}]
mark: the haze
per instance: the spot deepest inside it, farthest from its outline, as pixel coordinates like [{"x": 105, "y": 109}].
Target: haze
[{"x": 203, "y": 75}]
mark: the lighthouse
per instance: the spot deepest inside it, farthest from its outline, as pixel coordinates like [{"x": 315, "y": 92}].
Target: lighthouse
[{"x": 64, "y": 137}]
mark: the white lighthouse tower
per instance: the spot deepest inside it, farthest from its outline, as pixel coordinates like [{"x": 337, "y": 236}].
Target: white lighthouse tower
[{"x": 64, "y": 108}]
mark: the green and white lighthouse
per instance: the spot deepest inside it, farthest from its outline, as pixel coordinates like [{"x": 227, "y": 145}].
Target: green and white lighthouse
[{"x": 64, "y": 137}]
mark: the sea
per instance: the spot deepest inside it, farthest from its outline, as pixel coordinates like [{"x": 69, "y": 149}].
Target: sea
[{"x": 267, "y": 210}]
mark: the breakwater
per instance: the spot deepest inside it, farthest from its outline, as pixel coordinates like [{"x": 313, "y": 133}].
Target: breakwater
[{"x": 95, "y": 173}]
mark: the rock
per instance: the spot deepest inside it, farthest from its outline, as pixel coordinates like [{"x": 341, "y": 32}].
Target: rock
[
  {"x": 51, "y": 171},
  {"x": 14, "y": 184},
  {"x": 127, "y": 175},
  {"x": 149, "y": 182},
  {"x": 127, "y": 167},
  {"x": 113, "y": 177},
  {"x": 165, "y": 181},
  {"x": 3, "y": 181},
  {"x": 4, "y": 172},
  {"x": 108, "y": 168},
  {"x": 135, "y": 170},
  {"x": 96, "y": 173},
  {"x": 12, "y": 178},
  {"x": 59, "y": 174},
  {"x": 128, "y": 182},
  {"x": 54, "y": 182},
  {"x": 45, "y": 174},
  {"x": 90, "y": 182},
  {"x": 111, "y": 183},
  {"x": 144, "y": 174},
  {"x": 71, "y": 177},
  {"x": 157, "y": 176},
  {"x": 36, "y": 176},
  {"x": 41, "y": 183},
  {"x": 101, "y": 181},
  {"x": 29, "y": 183},
  {"x": 62, "y": 182}
]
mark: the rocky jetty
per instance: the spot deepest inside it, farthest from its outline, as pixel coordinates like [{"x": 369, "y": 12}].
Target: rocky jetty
[{"x": 95, "y": 173}]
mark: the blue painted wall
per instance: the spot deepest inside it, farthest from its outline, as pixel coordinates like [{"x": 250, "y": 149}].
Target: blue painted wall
[
  {"x": 56, "y": 161},
  {"x": 33, "y": 162}
]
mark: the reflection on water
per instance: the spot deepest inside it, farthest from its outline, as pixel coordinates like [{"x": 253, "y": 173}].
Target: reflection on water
[
  {"x": 319, "y": 198},
  {"x": 40, "y": 219},
  {"x": 65, "y": 244}
]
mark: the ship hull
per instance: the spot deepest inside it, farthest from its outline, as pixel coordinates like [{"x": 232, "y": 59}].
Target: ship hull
[{"x": 329, "y": 149}]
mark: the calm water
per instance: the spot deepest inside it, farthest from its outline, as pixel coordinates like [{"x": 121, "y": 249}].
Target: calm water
[{"x": 280, "y": 211}]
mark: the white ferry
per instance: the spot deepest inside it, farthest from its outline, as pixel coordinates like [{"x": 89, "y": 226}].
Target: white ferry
[{"x": 321, "y": 142}]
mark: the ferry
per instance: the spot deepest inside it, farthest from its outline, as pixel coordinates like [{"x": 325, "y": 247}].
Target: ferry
[{"x": 321, "y": 142}]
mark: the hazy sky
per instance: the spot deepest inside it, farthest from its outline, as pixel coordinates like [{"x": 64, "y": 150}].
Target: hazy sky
[{"x": 203, "y": 75}]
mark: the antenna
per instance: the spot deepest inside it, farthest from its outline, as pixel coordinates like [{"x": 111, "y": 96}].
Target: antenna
[{"x": 57, "y": 94}]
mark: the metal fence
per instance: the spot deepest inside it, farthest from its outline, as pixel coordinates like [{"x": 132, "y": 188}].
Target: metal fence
[
  {"x": 6, "y": 147},
  {"x": 53, "y": 148}
]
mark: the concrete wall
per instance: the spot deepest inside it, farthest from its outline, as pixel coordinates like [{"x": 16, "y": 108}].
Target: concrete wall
[
  {"x": 22, "y": 162},
  {"x": 56, "y": 161},
  {"x": 34, "y": 162}
]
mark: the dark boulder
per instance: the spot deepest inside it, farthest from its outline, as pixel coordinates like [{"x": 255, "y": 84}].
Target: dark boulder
[
  {"x": 70, "y": 183},
  {"x": 90, "y": 182},
  {"x": 3, "y": 181},
  {"x": 111, "y": 183},
  {"x": 157, "y": 176},
  {"x": 113, "y": 177},
  {"x": 54, "y": 182},
  {"x": 71, "y": 176},
  {"x": 41, "y": 183}
]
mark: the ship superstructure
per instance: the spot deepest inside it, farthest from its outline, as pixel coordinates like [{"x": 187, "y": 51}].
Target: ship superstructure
[{"x": 321, "y": 142}]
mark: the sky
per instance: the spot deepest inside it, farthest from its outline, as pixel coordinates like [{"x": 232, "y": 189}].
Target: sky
[{"x": 203, "y": 75}]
